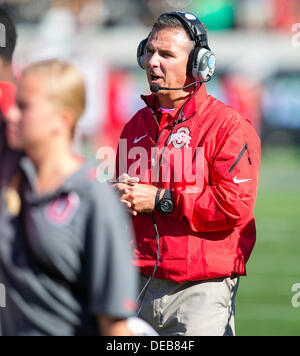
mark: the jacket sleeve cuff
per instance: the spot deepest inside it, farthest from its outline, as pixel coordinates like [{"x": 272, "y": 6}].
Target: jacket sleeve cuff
[
  {"x": 176, "y": 213},
  {"x": 184, "y": 203}
]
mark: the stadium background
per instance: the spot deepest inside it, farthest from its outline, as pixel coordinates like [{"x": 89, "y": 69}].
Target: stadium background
[{"x": 257, "y": 45}]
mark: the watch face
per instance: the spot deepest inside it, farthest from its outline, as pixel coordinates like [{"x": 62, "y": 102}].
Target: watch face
[{"x": 166, "y": 206}]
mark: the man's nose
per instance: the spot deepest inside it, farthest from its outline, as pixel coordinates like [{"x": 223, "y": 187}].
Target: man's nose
[{"x": 153, "y": 60}]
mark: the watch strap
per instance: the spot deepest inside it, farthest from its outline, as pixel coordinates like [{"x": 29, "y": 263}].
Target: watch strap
[
  {"x": 168, "y": 194},
  {"x": 157, "y": 198},
  {"x": 166, "y": 199}
]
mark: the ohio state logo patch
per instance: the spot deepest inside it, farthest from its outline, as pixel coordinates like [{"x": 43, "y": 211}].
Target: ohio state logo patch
[
  {"x": 181, "y": 137},
  {"x": 62, "y": 210}
]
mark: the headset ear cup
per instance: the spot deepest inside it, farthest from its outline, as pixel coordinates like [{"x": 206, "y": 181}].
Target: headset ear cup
[
  {"x": 141, "y": 53},
  {"x": 190, "y": 64},
  {"x": 203, "y": 64}
]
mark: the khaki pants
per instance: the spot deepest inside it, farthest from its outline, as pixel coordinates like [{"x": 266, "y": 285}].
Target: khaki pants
[{"x": 201, "y": 308}]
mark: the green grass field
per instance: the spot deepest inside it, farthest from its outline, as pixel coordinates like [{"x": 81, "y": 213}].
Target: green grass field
[{"x": 263, "y": 305}]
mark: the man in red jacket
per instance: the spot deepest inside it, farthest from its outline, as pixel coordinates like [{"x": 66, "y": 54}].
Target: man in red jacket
[{"x": 188, "y": 172}]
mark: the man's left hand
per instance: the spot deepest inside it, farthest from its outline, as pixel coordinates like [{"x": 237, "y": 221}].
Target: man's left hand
[{"x": 141, "y": 198}]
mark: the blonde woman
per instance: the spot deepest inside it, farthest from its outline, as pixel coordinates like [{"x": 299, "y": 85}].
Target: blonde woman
[{"x": 64, "y": 261}]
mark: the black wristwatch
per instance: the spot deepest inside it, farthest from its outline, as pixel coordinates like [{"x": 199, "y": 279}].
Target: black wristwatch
[{"x": 165, "y": 204}]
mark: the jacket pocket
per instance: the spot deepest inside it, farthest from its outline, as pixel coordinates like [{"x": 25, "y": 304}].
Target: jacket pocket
[{"x": 245, "y": 148}]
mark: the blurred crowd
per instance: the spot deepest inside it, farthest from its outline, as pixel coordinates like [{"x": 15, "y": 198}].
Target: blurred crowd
[
  {"x": 217, "y": 14},
  {"x": 69, "y": 29}
]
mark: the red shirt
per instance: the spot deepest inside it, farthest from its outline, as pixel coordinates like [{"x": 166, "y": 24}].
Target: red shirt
[
  {"x": 7, "y": 96},
  {"x": 211, "y": 232}
]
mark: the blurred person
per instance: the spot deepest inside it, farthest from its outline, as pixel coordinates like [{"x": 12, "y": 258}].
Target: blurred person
[
  {"x": 9, "y": 156},
  {"x": 10, "y": 145},
  {"x": 285, "y": 14},
  {"x": 64, "y": 32},
  {"x": 253, "y": 15},
  {"x": 244, "y": 94},
  {"x": 9, "y": 34},
  {"x": 64, "y": 262},
  {"x": 193, "y": 236}
]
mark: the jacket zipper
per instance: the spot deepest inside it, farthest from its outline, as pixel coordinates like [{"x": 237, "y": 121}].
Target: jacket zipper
[
  {"x": 155, "y": 148},
  {"x": 182, "y": 120},
  {"x": 245, "y": 148},
  {"x": 181, "y": 114},
  {"x": 158, "y": 135}
]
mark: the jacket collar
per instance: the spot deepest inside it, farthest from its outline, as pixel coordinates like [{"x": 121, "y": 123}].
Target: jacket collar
[{"x": 188, "y": 111}]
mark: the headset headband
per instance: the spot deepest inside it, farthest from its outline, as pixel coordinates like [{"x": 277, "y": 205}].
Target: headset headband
[
  {"x": 201, "y": 63},
  {"x": 193, "y": 25}
]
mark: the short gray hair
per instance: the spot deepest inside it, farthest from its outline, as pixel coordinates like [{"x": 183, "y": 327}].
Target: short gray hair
[{"x": 169, "y": 21}]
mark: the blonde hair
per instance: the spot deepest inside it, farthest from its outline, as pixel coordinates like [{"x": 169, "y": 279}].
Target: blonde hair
[{"x": 64, "y": 83}]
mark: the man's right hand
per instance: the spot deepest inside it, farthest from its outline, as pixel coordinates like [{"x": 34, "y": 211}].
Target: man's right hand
[{"x": 121, "y": 185}]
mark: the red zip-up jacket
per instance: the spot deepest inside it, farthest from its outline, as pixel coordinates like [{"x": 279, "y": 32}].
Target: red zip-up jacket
[{"x": 211, "y": 165}]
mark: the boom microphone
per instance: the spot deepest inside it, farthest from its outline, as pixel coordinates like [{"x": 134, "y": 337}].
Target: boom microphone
[{"x": 155, "y": 87}]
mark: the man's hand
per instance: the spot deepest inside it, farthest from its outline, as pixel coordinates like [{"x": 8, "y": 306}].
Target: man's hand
[
  {"x": 124, "y": 178},
  {"x": 138, "y": 198},
  {"x": 121, "y": 185},
  {"x": 141, "y": 197}
]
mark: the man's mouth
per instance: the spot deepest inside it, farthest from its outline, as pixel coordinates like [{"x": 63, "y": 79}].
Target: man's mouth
[{"x": 155, "y": 78}]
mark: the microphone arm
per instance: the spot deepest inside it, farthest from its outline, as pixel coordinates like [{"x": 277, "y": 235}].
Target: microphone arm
[{"x": 155, "y": 87}]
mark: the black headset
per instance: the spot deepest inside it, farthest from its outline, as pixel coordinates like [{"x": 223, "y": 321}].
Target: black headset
[{"x": 202, "y": 61}]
